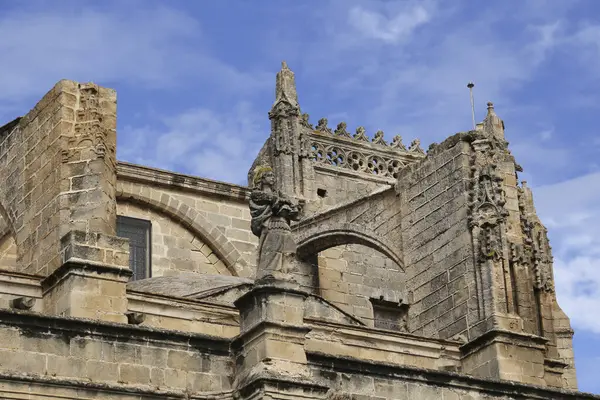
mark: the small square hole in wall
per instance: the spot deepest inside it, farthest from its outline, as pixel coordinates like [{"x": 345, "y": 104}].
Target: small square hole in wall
[
  {"x": 321, "y": 192},
  {"x": 389, "y": 315}
]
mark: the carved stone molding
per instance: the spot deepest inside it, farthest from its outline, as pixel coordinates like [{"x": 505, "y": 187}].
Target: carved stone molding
[
  {"x": 357, "y": 153},
  {"x": 537, "y": 251}
]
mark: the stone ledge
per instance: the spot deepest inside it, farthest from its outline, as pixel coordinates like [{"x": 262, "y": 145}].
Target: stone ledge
[
  {"x": 14, "y": 283},
  {"x": 95, "y": 247},
  {"x": 267, "y": 289},
  {"x": 39, "y": 323},
  {"x": 254, "y": 331},
  {"x": 154, "y": 176},
  {"x": 333, "y": 170},
  {"x": 434, "y": 347},
  {"x": 504, "y": 336},
  {"x": 276, "y": 386},
  {"x": 497, "y": 387},
  {"x": 75, "y": 266},
  {"x": 33, "y": 380}
]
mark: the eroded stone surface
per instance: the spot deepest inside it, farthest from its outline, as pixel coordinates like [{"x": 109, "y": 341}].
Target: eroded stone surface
[{"x": 424, "y": 275}]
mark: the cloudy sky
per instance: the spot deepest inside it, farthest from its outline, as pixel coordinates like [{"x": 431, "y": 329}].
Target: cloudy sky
[{"x": 195, "y": 81}]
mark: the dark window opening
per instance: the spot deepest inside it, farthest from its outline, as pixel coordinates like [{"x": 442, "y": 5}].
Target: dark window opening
[
  {"x": 138, "y": 231},
  {"x": 321, "y": 192},
  {"x": 389, "y": 315}
]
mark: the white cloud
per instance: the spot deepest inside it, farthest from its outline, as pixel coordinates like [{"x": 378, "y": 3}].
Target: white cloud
[
  {"x": 546, "y": 134},
  {"x": 388, "y": 29},
  {"x": 571, "y": 211},
  {"x": 132, "y": 44},
  {"x": 199, "y": 141}
]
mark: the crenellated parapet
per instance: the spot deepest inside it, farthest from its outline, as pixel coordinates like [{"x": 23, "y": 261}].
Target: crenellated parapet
[{"x": 357, "y": 152}]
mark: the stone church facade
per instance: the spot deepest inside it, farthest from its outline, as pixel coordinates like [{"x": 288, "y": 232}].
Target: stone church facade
[{"x": 349, "y": 268}]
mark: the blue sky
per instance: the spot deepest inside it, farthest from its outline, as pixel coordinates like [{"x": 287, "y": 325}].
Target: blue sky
[{"x": 195, "y": 80}]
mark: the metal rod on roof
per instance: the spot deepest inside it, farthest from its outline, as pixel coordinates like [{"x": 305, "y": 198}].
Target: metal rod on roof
[{"x": 470, "y": 85}]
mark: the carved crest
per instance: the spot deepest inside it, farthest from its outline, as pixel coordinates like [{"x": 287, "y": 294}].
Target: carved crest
[
  {"x": 322, "y": 126},
  {"x": 304, "y": 121},
  {"x": 397, "y": 143},
  {"x": 360, "y": 134},
  {"x": 378, "y": 138},
  {"x": 341, "y": 131},
  {"x": 415, "y": 147}
]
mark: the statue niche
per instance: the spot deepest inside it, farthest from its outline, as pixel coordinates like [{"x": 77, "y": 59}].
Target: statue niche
[{"x": 272, "y": 213}]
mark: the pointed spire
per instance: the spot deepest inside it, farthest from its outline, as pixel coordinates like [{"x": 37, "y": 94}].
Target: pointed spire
[
  {"x": 285, "y": 86},
  {"x": 492, "y": 124}
]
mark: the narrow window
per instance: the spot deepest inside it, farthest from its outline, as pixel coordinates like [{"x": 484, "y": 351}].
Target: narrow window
[
  {"x": 389, "y": 315},
  {"x": 138, "y": 232}
]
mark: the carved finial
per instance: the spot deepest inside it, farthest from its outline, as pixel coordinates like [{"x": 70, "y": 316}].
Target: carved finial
[
  {"x": 415, "y": 146},
  {"x": 322, "y": 126},
  {"x": 285, "y": 87},
  {"x": 378, "y": 138},
  {"x": 492, "y": 124},
  {"x": 340, "y": 130},
  {"x": 305, "y": 121},
  {"x": 397, "y": 143},
  {"x": 360, "y": 134}
]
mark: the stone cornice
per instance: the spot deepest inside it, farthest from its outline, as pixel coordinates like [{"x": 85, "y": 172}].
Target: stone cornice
[
  {"x": 84, "y": 267},
  {"x": 504, "y": 336},
  {"x": 510, "y": 389},
  {"x": 34, "y": 380},
  {"x": 158, "y": 177},
  {"x": 44, "y": 324}
]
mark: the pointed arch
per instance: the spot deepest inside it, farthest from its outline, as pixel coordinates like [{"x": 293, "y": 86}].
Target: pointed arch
[{"x": 189, "y": 218}]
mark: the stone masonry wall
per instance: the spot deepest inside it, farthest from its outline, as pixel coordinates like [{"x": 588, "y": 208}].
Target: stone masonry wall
[
  {"x": 112, "y": 354},
  {"x": 224, "y": 218},
  {"x": 342, "y": 188},
  {"x": 354, "y": 379},
  {"x": 8, "y": 253},
  {"x": 59, "y": 164},
  {"x": 174, "y": 248},
  {"x": 437, "y": 243},
  {"x": 350, "y": 275}
]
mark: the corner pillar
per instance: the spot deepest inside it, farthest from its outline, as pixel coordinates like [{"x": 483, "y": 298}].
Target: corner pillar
[{"x": 270, "y": 347}]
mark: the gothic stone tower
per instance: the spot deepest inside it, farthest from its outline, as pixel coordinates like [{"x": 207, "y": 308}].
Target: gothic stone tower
[{"x": 472, "y": 258}]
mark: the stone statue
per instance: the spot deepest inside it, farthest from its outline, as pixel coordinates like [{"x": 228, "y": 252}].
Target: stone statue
[{"x": 271, "y": 215}]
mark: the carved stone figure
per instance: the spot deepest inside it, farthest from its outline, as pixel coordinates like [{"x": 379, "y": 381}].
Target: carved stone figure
[
  {"x": 360, "y": 134},
  {"x": 271, "y": 215}
]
